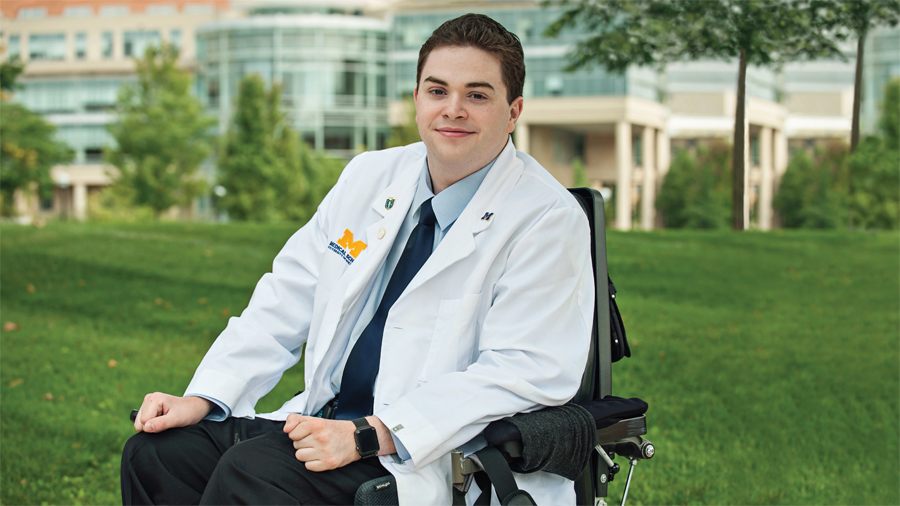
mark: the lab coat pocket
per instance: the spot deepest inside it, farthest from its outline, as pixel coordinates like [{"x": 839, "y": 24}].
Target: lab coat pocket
[{"x": 453, "y": 340}]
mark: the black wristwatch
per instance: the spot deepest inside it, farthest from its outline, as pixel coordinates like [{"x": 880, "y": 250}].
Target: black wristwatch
[{"x": 366, "y": 439}]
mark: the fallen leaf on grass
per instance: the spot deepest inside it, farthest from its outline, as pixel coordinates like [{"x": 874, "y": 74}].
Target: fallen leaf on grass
[
  {"x": 22, "y": 481},
  {"x": 191, "y": 322},
  {"x": 10, "y": 326},
  {"x": 662, "y": 354},
  {"x": 168, "y": 303},
  {"x": 203, "y": 300},
  {"x": 30, "y": 288},
  {"x": 207, "y": 253},
  {"x": 120, "y": 387},
  {"x": 112, "y": 363},
  {"x": 81, "y": 282},
  {"x": 158, "y": 301},
  {"x": 226, "y": 312},
  {"x": 16, "y": 382},
  {"x": 48, "y": 396},
  {"x": 76, "y": 446}
]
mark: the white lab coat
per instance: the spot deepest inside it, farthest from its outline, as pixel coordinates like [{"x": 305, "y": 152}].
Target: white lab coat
[{"x": 496, "y": 322}]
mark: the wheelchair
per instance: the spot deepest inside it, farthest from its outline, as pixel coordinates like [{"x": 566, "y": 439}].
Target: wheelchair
[{"x": 620, "y": 423}]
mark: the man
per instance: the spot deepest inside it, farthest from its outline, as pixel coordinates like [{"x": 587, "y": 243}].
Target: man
[{"x": 440, "y": 286}]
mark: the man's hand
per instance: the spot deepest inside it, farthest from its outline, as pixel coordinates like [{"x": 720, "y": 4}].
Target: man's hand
[
  {"x": 329, "y": 444},
  {"x": 163, "y": 411}
]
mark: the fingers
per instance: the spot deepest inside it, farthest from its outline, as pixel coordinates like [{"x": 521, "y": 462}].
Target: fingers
[
  {"x": 304, "y": 426},
  {"x": 153, "y": 406},
  {"x": 292, "y": 421}
]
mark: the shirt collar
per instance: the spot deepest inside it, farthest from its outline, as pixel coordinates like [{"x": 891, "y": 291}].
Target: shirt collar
[{"x": 450, "y": 203}]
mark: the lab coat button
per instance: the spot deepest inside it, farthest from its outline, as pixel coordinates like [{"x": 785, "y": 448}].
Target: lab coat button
[{"x": 381, "y": 233}]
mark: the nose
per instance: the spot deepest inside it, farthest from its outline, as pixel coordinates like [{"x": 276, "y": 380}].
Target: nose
[{"x": 455, "y": 108}]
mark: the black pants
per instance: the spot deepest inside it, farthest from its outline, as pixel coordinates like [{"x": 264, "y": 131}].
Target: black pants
[{"x": 236, "y": 461}]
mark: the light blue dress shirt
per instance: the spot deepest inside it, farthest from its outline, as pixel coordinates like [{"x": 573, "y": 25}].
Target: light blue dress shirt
[{"x": 447, "y": 206}]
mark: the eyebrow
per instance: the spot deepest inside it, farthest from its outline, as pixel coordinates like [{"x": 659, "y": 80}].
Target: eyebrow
[{"x": 477, "y": 84}]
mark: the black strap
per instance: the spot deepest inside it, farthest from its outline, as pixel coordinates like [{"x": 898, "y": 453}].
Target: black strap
[{"x": 496, "y": 472}]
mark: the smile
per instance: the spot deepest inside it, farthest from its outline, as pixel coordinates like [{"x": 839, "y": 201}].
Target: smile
[{"x": 453, "y": 133}]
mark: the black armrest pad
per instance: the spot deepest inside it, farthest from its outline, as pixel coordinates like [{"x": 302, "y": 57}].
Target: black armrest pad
[{"x": 609, "y": 410}]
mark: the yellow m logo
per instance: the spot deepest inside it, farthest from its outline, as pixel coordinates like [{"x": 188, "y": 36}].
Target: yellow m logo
[{"x": 346, "y": 242}]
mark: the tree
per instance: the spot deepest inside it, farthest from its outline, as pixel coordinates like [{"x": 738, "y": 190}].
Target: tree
[
  {"x": 695, "y": 191},
  {"x": 162, "y": 134},
  {"x": 268, "y": 173},
  {"x": 656, "y": 32},
  {"x": 875, "y": 165},
  {"x": 855, "y": 18},
  {"x": 28, "y": 149},
  {"x": 813, "y": 190},
  {"x": 408, "y": 131}
]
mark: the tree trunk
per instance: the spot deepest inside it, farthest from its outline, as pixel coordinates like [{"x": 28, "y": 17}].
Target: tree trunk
[
  {"x": 854, "y": 124},
  {"x": 737, "y": 162},
  {"x": 857, "y": 91}
]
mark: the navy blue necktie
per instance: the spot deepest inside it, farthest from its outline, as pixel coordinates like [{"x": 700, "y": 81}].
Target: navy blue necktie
[{"x": 358, "y": 380}]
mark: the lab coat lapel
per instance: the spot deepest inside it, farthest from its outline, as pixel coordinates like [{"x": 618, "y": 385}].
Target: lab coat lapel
[
  {"x": 362, "y": 272},
  {"x": 459, "y": 242}
]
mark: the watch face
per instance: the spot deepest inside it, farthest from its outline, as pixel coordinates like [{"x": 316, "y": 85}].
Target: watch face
[{"x": 367, "y": 441}]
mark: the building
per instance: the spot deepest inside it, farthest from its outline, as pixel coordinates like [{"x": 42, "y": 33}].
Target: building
[
  {"x": 330, "y": 63},
  {"x": 347, "y": 68},
  {"x": 78, "y": 54}
]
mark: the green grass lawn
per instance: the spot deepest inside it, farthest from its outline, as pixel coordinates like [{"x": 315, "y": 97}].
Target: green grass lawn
[{"x": 770, "y": 361}]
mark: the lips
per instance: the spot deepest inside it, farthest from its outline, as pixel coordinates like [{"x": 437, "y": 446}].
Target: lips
[{"x": 453, "y": 132}]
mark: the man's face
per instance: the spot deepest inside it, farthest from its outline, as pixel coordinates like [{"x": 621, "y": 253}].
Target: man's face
[{"x": 461, "y": 111}]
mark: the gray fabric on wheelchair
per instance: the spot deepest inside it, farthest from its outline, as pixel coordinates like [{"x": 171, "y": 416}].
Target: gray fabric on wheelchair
[{"x": 556, "y": 440}]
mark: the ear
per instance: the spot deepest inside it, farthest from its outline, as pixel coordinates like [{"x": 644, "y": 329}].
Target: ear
[
  {"x": 416, "y": 102},
  {"x": 515, "y": 110}
]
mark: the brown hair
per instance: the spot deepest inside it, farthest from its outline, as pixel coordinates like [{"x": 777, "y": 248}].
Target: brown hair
[{"x": 481, "y": 32}]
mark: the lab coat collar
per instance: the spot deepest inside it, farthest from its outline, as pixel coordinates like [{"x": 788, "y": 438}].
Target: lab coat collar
[{"x": 459, "y": 242}]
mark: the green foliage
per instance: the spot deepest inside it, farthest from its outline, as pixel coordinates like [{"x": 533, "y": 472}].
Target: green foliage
[
  {"x": 813, "y": 191},
  {"x": 28, "y": 150},
  {"x": 579, "y": 177},
  {"x": 736, "y": 376},
  {"x": 162, "y": 134},
  {"x": 408, "y": 132},
  {"x": 697, "y": 190},
  {"x": 115, "y": 203},
  {"x": 854, "y": 18},
  {"x": 890, "y": 115},
  {"x": 269, "y": 174},
  {"x": 656, "y": 32},
  {"x": 9, "y": 74},
  {"x": 875, "y": 196}
]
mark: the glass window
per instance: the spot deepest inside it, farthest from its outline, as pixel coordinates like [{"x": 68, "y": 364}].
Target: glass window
[
  {"x": 161, "y": 9},
  {"x": 32, "y": 12},
  {"x": 137, "y": 42},
  {"x": 175, "y": 38},
  {"x": 80, "y": 46},
  {"x": 78, "y": 11},
  {"x": 47, "y": 46},
  {"x": 637, "y": 148},
  {"x": 338, "y": 137},
  {"x": 198, "y": 9},
  {"x": 14, "y": 46},
  {"x": 115, "y": 10},
  {"x": 754, "y": 151},
  {"x": 93, "y": 155},
  {"x": 107, "y": 44}
]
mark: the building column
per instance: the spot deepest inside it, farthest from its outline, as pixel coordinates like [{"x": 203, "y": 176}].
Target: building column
[
  {"x": 623, "y": 175},
  {"x": 765, "y": 181},
  {"x": 648, "y": 192},
  {"x": 663, "y": 154},
  {"x": 780, "y": 162},
  {"x": 79, "y": 201},
  {"x": 745, "y": 222},
  {"x": 522, "y": 136}
]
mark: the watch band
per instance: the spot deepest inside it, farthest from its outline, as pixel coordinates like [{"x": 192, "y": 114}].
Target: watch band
[{"x": 366, "y": 438}]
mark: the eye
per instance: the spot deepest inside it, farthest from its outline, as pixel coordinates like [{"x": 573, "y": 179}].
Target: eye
[
  {"x": 437, "y": 91},
  {"x": 479, "y": 96}
]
